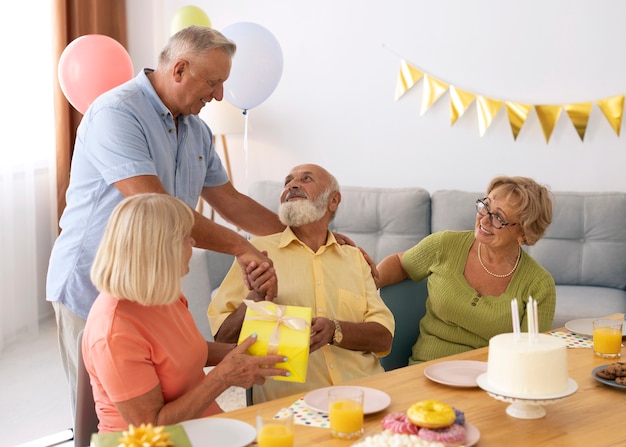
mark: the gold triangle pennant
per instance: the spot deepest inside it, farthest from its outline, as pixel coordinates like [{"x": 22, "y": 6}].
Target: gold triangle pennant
[
  {"x": 613, "y": 109},
  {"x": 407, "y": 78},
  {"x": 518, "y": 114},
  {"x": 579, "y": 116},
  {"x": 433, "y": 89},
  {"x": 548, "y": 116},
  {"x": 460, "y": 100},
  {"x": 487, "y": 111}
]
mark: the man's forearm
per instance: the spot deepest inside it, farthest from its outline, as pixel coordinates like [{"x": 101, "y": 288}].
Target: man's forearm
[
  {"x": 369, "y": 337},
  {"x": 231, "y": 327}
]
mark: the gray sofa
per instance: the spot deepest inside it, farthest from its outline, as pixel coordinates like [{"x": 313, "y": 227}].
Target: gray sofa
[{"x": 584, "y": 248}]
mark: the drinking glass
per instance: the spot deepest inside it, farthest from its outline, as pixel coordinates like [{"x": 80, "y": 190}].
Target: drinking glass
[
  {"x": 345, "y": 411},
  {"x": 275, "y": 431},
  {"x": 607, "y": 338}
]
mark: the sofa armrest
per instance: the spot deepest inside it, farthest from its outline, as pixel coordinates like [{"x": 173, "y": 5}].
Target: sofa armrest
[{"x": 407, "y": 302}]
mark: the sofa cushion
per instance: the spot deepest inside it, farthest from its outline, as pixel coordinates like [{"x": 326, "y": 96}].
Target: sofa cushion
[
  {"x": 586, "y": 242},
  {"x": 453, "y": 210},
  {"x": 574, "y": 302},
  {"x": 382, "y": 221}
]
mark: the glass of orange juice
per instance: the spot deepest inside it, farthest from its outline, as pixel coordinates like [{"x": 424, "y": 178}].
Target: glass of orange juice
[
  {"x": 345, "y": 411},
  {"x": 275, "y": 431},
  {"x": 607, "y": 338}
]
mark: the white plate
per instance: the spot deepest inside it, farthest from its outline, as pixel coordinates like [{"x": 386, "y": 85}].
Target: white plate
[
  {"x": 584, "y": 326},
  {"x": 373, "y": 400},
  {"x": 460, "y": 373},
  {"x": 219, "y": 431},
  {"x": 472, "y": 435}
]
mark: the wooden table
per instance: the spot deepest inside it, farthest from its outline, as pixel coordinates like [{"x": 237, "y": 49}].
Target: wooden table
[{"x": 594, "y": 415}]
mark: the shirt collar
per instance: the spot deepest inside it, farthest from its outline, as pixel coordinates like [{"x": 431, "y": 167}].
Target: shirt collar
[
  {"x": 289, "y": 237},
  {"x": 150, "y": 92}
]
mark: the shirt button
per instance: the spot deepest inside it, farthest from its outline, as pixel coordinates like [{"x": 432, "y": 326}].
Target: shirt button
[
  {"x": 331, "y": 366},
  {"x": 170, "y": 130},
  {"x": 319, "y": 310}
]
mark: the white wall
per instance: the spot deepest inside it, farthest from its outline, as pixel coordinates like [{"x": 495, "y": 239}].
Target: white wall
[{"x": 334, "y": 104}]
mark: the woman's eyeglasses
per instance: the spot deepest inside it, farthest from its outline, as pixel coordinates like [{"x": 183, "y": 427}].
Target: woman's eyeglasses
[{"x": 496, "y": 220}]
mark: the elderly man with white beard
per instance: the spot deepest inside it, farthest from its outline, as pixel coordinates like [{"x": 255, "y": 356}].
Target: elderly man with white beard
[{"x": 351, "y": 326}]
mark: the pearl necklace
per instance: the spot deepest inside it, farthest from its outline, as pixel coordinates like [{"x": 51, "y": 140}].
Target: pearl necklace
[{"x": 519, "y": 255}]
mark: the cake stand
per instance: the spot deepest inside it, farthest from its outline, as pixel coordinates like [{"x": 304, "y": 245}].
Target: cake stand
[{"x": 525, "y": 407}]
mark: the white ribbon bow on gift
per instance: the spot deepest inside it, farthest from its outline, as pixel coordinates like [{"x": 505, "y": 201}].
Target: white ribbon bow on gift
[{"x": 263, "y": 308}]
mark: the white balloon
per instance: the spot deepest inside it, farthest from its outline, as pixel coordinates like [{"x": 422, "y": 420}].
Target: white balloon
[{"x": 257, "y": 65}]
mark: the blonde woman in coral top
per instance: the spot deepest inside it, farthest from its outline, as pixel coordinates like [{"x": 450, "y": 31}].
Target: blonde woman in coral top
[{"x": 143, "y": 352}]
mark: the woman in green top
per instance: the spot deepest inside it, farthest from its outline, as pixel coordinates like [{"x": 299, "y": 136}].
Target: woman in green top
[{"x": 474, "y": 275}]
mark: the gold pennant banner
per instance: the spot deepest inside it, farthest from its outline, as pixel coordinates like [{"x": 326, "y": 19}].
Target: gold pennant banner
[
  {"x": 460, "y": 100},
  {"x": 517, "y": 113},
  {"x": 487, "y": 111},
  {"x": 579, "y": 116},
  {"x": 613, "y": 109},
  {"x": 407, "y": 78},
  {"x": 433, "y": 89}
]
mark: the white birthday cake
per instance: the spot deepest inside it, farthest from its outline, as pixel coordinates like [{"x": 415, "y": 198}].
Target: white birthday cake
[{"x": 526, "y": 367}]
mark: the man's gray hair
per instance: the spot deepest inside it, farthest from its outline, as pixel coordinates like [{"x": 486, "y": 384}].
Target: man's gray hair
[{"x": 195, "y": 41}]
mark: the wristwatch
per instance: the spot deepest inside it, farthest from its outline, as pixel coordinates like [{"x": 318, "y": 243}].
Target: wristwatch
[{"x": 338, "y": 335}]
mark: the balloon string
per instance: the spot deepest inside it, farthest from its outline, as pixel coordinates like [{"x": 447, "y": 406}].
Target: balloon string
[{"x": 245, "y": 148}]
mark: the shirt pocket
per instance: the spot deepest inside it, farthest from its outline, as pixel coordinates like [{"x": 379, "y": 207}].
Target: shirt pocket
[{"x": 352, "y": 306}]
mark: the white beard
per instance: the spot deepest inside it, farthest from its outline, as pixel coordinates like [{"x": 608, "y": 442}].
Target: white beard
[{"x": 302, "y": 212}]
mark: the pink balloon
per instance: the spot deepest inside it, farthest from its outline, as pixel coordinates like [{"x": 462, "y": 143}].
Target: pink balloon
[{"x": 91, "y": 65}]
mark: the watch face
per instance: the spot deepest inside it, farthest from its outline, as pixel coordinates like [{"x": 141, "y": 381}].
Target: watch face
[{"x": 338, "y": 335}]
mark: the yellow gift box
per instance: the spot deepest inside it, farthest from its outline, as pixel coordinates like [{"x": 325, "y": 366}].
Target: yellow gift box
[{"x": 282, "y": 330}]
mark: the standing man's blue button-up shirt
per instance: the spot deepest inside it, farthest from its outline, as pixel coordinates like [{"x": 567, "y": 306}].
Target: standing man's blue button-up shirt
[{"x": 127, "y": 132}]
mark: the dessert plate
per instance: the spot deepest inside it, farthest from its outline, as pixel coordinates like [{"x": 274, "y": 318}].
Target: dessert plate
[
  {"x": 606, "y": 381},
  {"x": 220, "y": 431},
  {"x": 472, "y": 435},
  {"x": 459, "y": 373},
  {"x": 584, "y": 326},
  {"x": 373, "y": 400}
]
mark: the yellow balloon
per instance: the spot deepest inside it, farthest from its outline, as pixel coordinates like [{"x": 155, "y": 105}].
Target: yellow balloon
[{"x": 186, "y": 16}]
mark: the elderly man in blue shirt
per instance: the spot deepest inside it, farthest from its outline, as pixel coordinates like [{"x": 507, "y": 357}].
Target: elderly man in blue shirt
[{"x": 145, "y": 137}]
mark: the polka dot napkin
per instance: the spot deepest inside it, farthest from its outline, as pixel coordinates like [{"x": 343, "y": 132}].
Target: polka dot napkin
[
  {"x": 574, "y": 340},
  {"x": 303, "y": 415}
]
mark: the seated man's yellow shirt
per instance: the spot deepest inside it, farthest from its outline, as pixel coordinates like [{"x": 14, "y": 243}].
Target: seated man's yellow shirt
[{"x": 336, "y": 282}]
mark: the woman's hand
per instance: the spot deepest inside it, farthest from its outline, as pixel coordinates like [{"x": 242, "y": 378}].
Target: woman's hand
[{"x": 242, "y": 369}]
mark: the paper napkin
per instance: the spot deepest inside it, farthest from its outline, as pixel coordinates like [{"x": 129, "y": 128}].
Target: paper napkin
[{"x": 574, "y": 340}]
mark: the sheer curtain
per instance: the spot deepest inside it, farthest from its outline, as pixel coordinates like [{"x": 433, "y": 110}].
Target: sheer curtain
[{"x": 27, "y": 175}]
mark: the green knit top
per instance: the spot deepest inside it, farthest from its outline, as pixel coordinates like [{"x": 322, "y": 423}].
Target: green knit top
[{"x": 457, "y": 317}]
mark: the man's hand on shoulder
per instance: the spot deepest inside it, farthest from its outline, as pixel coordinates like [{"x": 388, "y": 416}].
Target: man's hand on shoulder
[{"x": 373, "y": 267}]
